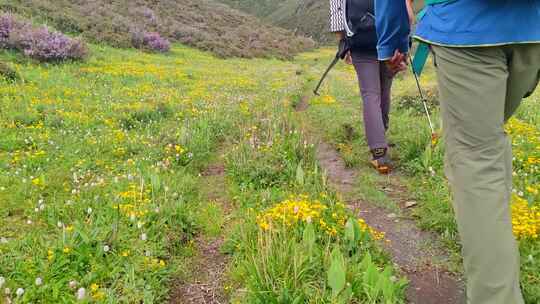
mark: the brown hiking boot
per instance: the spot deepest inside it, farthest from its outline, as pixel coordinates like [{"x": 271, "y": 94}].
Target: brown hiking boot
[{"x": 381, "y": 161}]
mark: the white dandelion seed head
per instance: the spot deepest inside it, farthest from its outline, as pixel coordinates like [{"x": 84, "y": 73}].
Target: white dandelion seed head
[
  {"x": 39, "y": 281},
  {"x": 144, "y": 237},
  {"x": 89, "y": 210},
  {"x": 19, "y": 292},
  {"x": 106, "y": 248},
  {"x": 29, "y": 222},
  {"x": 81, "y": 294}
]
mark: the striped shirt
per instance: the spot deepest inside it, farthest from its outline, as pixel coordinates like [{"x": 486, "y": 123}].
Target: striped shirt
[{"x": 336, "y": 19}]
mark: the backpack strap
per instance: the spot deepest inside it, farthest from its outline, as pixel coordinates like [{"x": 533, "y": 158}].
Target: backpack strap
[{"x": 422, "y": 52}]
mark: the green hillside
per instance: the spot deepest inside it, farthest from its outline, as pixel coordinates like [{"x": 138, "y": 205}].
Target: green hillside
[{"x": 307, "y": 17}]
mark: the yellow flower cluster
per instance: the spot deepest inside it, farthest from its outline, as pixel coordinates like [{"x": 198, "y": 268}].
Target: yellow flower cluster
[
  {"x": 135, "y": 201},
  {"x": 291, "y": 212},
  {"x": 375, "y": 234},
  {"x": 97, "y": 294},
  {"x": 325, "y": 99},
  {"x": 526, "y": 144},
  {"x": 19, "y": 155},
  {"x": 154, "y": 262},
  {"x": 301, "y": 210},
  {"x": 525, "y": 219}
]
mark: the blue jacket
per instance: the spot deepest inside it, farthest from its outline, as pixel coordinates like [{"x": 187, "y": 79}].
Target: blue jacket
[{"x": 465, "y": 23}]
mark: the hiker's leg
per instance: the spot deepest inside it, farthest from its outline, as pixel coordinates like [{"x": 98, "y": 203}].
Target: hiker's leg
[
  {"x": 524, "y": 68},
  {"x": 473, "y": 88},
  {"x": 386, "y": 94},
  {"x": 367, "y": 69}
]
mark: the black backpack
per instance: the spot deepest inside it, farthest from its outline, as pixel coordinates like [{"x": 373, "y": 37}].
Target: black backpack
[{"x": 359, "y": 20}]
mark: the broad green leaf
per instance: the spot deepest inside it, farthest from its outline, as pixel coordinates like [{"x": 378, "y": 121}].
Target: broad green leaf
[
  {"x": 156, "y": 183},
  {"x": 300, "y": 174},
  {"x": 350, "y": 234},
  {"x": 357, "y": 231},
  {"x": 309, "y": 237},
  {"x": 336, "y": 273},
  {"x": 366, "y": 261},
  {"x": 346, "y": 296}
]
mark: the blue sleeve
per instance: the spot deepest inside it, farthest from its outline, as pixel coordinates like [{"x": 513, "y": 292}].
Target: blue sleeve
[{"x": 393, "y": 28}]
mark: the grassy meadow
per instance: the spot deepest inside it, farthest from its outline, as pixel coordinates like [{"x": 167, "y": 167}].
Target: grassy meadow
[{"x": 102, "y": 180}]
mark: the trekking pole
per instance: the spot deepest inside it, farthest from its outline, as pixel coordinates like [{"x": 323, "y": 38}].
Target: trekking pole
[
  {"x": 434, "y": 136},
  {"x": 343, "y": 48},
  {"x": 332, "y": 64}
]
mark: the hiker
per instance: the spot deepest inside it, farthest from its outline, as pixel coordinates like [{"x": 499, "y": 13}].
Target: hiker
[
  {"x": 374, "y": 78},
  {"x": 487, "y": 58}
]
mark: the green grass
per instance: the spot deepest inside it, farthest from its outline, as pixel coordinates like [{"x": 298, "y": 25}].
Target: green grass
[
  {"x": 101, "y": 161},
  {"x": 101, "y": 183},
  {"x": 102, "y": 188}
]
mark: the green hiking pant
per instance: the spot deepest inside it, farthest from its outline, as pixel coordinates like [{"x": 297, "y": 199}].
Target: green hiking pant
[{"x": 480, "y": 89}]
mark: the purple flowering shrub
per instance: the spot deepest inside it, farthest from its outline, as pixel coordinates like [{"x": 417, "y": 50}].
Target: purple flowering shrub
[
  {"x": 155, "y": 42},
  {"x": 7, "y": 26},
  {"x": 150, "y": 41},
  {"x": 39, "y": 43},
  {"x": 53, "y": 46}
]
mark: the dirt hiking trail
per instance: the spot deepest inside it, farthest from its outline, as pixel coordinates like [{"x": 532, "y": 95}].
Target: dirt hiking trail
[
  {"x": 206, "y": 284},
  {"x": 408, "y": 246}
]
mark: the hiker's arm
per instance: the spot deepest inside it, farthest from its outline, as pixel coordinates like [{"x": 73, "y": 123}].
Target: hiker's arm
[
  {"x": 337, "y": 26},
  {"x": 336, "y": 21},
  {"x": 392, "y": 23},
  {"x": 410, "y": 11}
]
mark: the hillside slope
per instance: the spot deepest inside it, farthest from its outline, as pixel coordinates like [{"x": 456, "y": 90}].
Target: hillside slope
[
  {"x": 204, "y": 24},
  {"x": 306, "y": 17}
]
